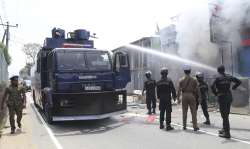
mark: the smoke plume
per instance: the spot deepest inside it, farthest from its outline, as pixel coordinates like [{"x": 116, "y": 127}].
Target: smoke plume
[{"x": 193, "y": 30}]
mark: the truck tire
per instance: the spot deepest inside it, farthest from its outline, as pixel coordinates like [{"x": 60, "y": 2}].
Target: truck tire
[
  {"x": 34, "y": 98},
  {"x": 48, "y": 114}
]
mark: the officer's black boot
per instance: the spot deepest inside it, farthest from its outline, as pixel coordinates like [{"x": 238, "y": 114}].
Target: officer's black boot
[
  {"x": 196, "y": 129},
  {"x": 161, "y": 125},
  {"x": 149, "y": 112},
  {"x": 154, "y": 111},
  {"x": 221, "y": 131},
  {"x": 225, "y": 134},
  {"x": 19, "y": 125},
  {"x": 169, "y": 127},
  {"x": 12, "y": 130},
  {"x": 207, "y": 122}
]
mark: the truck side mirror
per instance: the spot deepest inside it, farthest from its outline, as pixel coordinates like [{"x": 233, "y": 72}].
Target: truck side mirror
[
  {"x": 121, "y": 61},
  {"x": 122, "y": 69}
]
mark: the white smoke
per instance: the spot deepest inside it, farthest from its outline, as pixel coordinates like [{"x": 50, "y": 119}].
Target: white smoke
[
  {"x": 193, "y": 30},
  {"x": 235, "y": 14},
  {"x": 193, "y": 34}
]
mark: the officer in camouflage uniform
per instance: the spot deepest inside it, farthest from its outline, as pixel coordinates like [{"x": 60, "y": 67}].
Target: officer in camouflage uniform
[
  {"x": 222, "y": 89},
  {"x": 203, "y": 97},
  {"x": 16, "y": 99}
]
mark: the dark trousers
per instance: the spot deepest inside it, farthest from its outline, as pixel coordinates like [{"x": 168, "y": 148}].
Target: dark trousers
[
  {"x": 168, "y": 117},
  {"x": 151, "y": 103},
  {"x": 204, "y": 108},
  {"x": 165, "y": 107},
  {"x": 225, "y": 105}
]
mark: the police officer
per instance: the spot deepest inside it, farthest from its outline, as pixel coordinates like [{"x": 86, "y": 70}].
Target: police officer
[
  {"x": 149, "y": 87},
  {"x": 221, "y": 88},
  {"x": 165, "y": 92},
  {"x": 188, "y": 88},
  {"x": 203, "y": 90},
  {"x": 16, "y": 99}
]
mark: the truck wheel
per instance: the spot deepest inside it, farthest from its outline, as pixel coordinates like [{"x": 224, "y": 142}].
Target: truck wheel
[
  {"x": 48, "y": 114},
  {"x": 34, "y": 98}
]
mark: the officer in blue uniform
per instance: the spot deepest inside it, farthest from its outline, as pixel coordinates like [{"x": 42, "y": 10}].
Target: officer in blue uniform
[
  {"x": 150, "y": 88},
  {"x": 165, "y": 92},
  {"x": 222, "y": 89}
]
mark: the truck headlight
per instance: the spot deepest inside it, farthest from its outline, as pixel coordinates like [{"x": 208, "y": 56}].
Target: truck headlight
[{"x": 64, "y": 102}]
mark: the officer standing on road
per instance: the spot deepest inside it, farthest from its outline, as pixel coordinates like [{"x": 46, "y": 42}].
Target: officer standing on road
[
  {"x": 221, "y": 88},
  {"x": 203, "y": 90},
  {"x": 149, "y": 87},
  {"x": 188, "y": 87},
  {"x": 165, "y": 92},
  {"x": 16, "y": 98}
]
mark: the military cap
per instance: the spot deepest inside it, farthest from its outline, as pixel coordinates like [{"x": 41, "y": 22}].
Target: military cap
[{"x": 14, "y": 78}]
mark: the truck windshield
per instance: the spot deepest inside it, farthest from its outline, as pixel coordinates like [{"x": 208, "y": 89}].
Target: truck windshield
[
  {"x": 82, "y": 61},
  {"x": 67, "y": 61},
  {"x": 98, "y": 61}
]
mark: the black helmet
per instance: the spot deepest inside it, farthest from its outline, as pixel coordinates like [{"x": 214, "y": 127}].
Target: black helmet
[
  {"x": 148, "y": 74},
  {"x": 14, "y": 78},
  {"x": 199, "y": 75},
  {"x": 164, "y": 71},
  {"x": 221, "y": 69},
  {"x": 187, "y": 69}
]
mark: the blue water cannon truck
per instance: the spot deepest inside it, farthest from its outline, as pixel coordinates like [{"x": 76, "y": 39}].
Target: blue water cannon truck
[{"x": 72, "y": 80}]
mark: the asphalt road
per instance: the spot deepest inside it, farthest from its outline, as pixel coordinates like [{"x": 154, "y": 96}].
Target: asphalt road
[{"x": 134, "y": 130}]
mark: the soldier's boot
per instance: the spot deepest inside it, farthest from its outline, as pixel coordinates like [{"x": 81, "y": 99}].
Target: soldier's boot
[
  {"x": 196, "y": 128},
  {"x": 161, "y": 125},
  {"x": 169, "y": 127},
  {"x": 19, "y": 125},
  {"x": 12, "y": 130},
  {"x": 154, "y": 111},
  {"x": 225, "y": 135},
  {"x": 184, "y": 127}
]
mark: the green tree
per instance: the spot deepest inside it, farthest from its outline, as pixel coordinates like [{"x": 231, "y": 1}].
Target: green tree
[
  {"x": 6, "y": 53},
  {"x": 25, "y": 72}
]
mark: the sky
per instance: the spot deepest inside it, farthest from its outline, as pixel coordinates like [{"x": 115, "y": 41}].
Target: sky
[{"x": 116, "y": 22}]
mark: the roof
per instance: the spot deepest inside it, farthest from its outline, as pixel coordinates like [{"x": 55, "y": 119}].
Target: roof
[
  {"x": 136, "y": 42},
  {"x": 80, "y": 49}
]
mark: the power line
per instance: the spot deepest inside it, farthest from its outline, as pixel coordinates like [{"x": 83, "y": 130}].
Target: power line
[
  {"x": 15, "y": 42},
  {"x": 7, "y": 32},
  {"x": 16, "y": 36},
  {"x": 18, "y": 40},
  {"x": 2, "y": 21}
]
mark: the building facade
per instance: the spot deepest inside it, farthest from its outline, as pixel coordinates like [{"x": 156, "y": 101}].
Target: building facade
[{"x": 140, "y": 62}]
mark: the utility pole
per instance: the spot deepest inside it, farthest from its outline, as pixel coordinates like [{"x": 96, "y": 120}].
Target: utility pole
[{"x": 7, "y": 33}]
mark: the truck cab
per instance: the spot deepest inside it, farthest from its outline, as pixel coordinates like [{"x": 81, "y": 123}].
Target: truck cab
[{"x": 74, "y": 81}]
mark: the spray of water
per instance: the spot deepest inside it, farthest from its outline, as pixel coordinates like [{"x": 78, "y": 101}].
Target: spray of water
[{"x": 170, "y": 57}]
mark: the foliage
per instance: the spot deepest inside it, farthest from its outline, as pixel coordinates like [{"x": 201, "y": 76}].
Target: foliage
[
  {"x": 6, "y": 53},
  {"x": 25, "y": 72}
]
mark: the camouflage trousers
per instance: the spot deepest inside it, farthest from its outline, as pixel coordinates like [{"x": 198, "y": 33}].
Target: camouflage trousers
[{"x": 18, "y": 111}]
